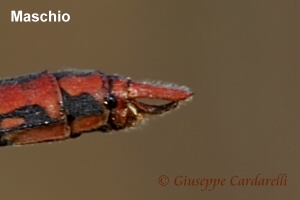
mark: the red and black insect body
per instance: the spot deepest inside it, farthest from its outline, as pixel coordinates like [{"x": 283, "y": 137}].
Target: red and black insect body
[{"x": 47, "y": 107}]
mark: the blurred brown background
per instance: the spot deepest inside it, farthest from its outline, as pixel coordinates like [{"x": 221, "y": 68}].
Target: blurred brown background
[{"x": 240, "y": 58}]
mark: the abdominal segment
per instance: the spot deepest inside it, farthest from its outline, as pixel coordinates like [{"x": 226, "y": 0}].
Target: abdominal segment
[{"x": 46, "y": 107}]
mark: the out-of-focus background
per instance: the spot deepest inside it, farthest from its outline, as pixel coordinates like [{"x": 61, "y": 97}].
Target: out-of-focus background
[{"x": 241, "y": 58}]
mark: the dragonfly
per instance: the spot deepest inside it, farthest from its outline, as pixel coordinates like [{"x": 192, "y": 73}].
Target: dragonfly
[{"x": 44, "y": 106}]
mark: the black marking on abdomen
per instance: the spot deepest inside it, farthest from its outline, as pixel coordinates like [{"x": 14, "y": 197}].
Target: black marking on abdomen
[
  {"x": 70, "y": 73},
  {"x": 77, "y": 73},
  {"x": 80, "y": 106},
  {"x": 21, "y": 79},
  {"x": 33, "y": 115}
]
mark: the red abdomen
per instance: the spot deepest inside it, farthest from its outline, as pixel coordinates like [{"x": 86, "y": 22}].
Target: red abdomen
[{"x": 44, "y": 107}]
